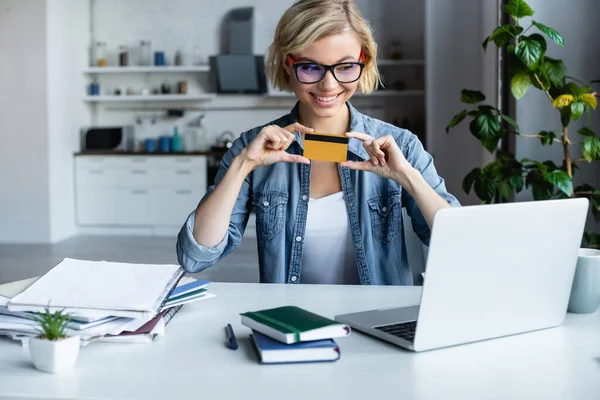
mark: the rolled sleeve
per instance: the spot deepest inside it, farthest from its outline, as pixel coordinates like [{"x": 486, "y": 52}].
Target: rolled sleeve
[{"x": 193, "y": 256}]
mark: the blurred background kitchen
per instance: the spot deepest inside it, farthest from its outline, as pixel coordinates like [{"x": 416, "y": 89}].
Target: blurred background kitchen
[{"x": 114, "y": 114}]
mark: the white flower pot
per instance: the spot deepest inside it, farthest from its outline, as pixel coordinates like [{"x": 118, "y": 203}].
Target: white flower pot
[{"x": 54, "y": 355}]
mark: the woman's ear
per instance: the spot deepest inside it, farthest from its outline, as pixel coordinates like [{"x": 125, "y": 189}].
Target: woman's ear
[{"x": 287, "y": 65}]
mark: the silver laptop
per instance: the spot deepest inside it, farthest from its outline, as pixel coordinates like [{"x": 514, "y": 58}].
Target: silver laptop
[{"x": 492, "y": 271}]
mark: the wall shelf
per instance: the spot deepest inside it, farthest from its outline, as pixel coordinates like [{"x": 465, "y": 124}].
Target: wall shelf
[
  {"x": 149, "y": 98},
  {"x": 149, "y": 69}
]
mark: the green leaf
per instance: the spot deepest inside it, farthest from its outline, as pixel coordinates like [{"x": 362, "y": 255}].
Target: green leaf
[
  {"x": 530, "y": 52},
  {"x": 540, "y": 188},
  {"x": 565, "y": 116},
  {"x": 516, "y": 182},
  {"x": 520, "y": 84},
  {"x": 491, "y": 144},
  {"x": 470, "y": 179},
  {"x": 577, "y": 109},
  {"x": 510, "y": 121},
  {"x": 485, "y": 189},
  {"x": 561, "y": 180},
  {"x": 543, "y": 78},
  {"x": 502, "y": 34},
  {"x": 471, "y": 96},
  {"x": 585, "y": 131},
  {"x": 552, "y": 34},
  {"x": 518, "y": 9},
  {"x": 591, "y": 149},
  {"x": 547, "y": 138},
  {"x": 488, "y": 125},
  {"x": 457, "y": 119},
  {"x": 504, "y": 190},
  {"x": 540, "y": 39},
  {"x": 555, "y": 70},
  {"x": 591, "y": 240},
  {"x": 577, "y": 90},
  {"x": 484, "y": 44}
]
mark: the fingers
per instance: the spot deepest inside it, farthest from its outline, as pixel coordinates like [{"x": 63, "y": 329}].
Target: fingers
[
  {"x": 359, "y": 165},
  {"x": 294, "y": 158},
  {"x": 296, "y": 126},
  {"x": 360, "y": 136},
  {"x": 275, "y": 138}
]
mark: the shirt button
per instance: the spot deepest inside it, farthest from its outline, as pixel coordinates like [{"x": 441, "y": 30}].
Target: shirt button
[
  {"x": 349, "y": 204},
  {"x": 304, "y": 197},
  {"x": 358, "y": 246},
  {"x": 298, "y": 238},
  {"x": 294, "y": 278},
  {"x": 384, "y": 209},
  {"x": 266, "y": 204}
]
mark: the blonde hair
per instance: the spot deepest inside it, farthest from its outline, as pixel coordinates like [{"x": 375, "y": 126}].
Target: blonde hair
[{"x": 307, "y": 21}]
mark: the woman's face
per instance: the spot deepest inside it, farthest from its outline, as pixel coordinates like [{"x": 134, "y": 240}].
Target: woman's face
[{"x": 326, "y": 97}]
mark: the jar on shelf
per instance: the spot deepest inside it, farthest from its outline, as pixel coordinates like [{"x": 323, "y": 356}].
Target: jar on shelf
[
  {"x": 395, "y": 52},
  {"x": 145, "y": 53},
  {"x": 197, "y": 58},
  {"x": 100, "y": 54},
  {"x": 123, "y": 56}
]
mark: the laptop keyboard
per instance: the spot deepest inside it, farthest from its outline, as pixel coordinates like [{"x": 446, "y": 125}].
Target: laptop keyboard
[{"x": 404, "y": 330}]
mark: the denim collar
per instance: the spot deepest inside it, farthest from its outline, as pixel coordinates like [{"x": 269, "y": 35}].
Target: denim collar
[{"x": 355, "y": 146}]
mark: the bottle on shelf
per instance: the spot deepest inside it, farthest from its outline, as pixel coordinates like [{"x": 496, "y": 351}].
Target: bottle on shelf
[
  {"x": 100, "y": 54},
  {"x": 176, "y": 140},
  {"x": 201, "y": 141},
  {"x": 145, "y": 53},
  {"x": 123, "y": 56}
]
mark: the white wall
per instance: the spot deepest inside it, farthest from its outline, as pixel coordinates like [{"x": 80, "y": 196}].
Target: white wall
[
  {"x": 455, "y": 60},
  {"x": 24, "y": 202},
  {"x": 67, "y": 41},
  {"x": 578, "y": 24}
]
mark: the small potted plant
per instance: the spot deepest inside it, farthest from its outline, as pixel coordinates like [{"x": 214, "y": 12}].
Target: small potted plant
[{"x": 53, "y": 351}]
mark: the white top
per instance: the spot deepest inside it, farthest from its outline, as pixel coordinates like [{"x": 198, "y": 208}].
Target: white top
[
  {"x": 192, "y": 360},
  {"x": 328, "y": 256}
]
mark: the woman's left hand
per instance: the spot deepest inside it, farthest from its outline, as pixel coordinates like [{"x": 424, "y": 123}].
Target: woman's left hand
[{"x": 386, "y": 158}]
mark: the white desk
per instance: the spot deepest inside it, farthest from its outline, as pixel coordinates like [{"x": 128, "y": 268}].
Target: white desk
[{"x": 192, "y": 361}]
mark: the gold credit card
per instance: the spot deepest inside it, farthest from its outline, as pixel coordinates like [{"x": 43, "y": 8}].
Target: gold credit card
[{"x": 325, "y": 147}]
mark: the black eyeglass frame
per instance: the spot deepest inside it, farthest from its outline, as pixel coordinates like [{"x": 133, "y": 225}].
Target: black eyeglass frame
[{"x": 331, "y": 68}]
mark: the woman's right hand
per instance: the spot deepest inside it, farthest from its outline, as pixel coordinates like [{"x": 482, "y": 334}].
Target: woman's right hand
[{"x": 270, "y": 145}]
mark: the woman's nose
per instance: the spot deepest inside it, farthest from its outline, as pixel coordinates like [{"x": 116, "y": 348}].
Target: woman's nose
[{"x": 328, "y": 83}]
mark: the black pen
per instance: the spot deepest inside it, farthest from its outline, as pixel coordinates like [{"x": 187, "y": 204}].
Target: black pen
[{"x": 231, "y": 341}]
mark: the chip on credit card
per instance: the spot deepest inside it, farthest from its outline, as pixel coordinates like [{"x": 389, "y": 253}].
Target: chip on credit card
[{"x": 325, "y": 147}]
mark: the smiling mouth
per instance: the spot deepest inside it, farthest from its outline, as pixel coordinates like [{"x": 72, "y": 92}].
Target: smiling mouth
[{"x": 326, "y": 99}]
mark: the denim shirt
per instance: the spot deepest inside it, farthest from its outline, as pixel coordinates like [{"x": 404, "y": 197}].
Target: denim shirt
[{"x": 279, "y": 195}]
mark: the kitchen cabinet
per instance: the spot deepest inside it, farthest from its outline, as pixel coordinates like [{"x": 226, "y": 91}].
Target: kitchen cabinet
[{"x": 138, "y": 190}]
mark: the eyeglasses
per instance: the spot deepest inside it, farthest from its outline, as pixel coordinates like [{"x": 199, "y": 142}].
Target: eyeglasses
[{"x": 346, "y": 72}]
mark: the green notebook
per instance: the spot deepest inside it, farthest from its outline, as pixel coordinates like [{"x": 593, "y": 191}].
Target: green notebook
[{"x": 292, "y": 324}]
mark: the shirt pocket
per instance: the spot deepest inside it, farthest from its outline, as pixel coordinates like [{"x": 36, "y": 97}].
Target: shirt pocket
[
  {"x": 386, "y": 216},
  {"x": 270, "y": 208}
]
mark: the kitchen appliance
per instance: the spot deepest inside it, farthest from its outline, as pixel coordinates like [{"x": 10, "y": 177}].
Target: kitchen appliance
[
  {"x": 109, "y": 138},
  {"x": 239, "y": 73}
]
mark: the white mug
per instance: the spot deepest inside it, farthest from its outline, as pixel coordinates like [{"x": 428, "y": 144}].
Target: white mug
[{"x": 585, "y": 293}]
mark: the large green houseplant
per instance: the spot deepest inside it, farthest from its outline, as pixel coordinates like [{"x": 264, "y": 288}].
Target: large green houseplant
[{"x": 525, "y": 52}]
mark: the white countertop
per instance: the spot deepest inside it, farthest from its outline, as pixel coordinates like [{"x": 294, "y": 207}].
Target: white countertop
[{"x": 192, "y": 360}]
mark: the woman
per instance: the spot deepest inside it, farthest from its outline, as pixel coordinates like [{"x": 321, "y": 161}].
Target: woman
[{"x": 317, "y": 221}]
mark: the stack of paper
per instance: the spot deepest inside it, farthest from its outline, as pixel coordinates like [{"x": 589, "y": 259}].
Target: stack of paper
[{"x": 106, "y": 301}]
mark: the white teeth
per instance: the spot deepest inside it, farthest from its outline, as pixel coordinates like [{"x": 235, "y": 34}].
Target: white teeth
[{"x": 326, "y": 99}]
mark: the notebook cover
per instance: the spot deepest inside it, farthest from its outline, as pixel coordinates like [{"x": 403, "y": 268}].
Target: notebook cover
[
  {"x": 189, "y": 287},
  {"x": 290, "y": 319},
  {"x": 265, "y": 343}
]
